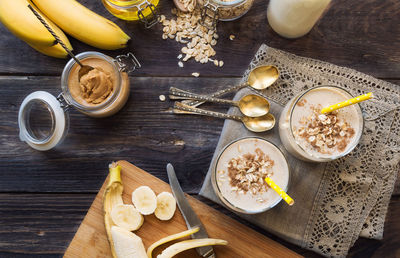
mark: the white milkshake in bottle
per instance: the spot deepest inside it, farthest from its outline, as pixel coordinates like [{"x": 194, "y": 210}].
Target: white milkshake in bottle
[
  {"x": 295, "y": 18},
  {"x": 309, "y": 135}
]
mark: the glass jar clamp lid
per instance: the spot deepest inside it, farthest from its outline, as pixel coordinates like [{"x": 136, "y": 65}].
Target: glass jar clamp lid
[{"x": 43, "y": 118}]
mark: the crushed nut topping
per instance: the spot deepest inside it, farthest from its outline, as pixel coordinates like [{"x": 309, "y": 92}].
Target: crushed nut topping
[
  {"x": 186, "y": 29},
  {"x": 325, "y": 132},
  {"x": 247, "y": 172}
]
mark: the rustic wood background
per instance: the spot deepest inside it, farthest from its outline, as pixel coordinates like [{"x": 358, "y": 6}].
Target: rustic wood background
[{"x": 45, "y": 195}]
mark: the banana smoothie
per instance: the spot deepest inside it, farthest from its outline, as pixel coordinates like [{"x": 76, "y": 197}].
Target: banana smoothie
[
  {"x": 240, "y": 172},
  {"x": 312, "y": 136}
]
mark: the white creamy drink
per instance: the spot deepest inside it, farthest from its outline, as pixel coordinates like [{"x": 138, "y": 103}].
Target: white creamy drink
[
  {"x": 240, "y": 173},
  {"x": 312, "y": 136},
  {"x": 295, "y": 18}
]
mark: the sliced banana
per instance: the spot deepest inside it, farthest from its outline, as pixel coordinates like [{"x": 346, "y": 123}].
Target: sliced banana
[
  {"x": 127, "y": 217},
  {"x": 127, "y": 244},
  {"x": 145, "y": 200},
  {"x": 166, "y": 206}
]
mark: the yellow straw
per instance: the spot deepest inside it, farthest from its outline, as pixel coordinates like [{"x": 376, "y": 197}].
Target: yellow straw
[
  {"x": 347, "y": 103},
  {"x": 279, "y": 190}
]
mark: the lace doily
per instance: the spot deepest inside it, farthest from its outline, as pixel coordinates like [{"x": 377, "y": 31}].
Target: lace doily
[{"x": 353, "y": 199}]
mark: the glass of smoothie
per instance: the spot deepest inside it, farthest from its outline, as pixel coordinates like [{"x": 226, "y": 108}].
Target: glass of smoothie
[
  {"x": 311, "y": 136},
  {"x": 238, "y": 177}
]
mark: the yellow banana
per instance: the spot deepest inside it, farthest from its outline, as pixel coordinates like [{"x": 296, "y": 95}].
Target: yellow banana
[
  {"x": 54, "y": 51},
  {"x": 83, "y": 24},
  {"x": 112, "y": 197},
  {"x": 20, "y": 20}
]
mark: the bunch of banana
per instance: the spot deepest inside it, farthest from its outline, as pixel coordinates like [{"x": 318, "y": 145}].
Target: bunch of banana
[
  {"x": 83, "y": 24},
  {"x": 69, "y": 15},
  {"x": 20, "y": 20}
]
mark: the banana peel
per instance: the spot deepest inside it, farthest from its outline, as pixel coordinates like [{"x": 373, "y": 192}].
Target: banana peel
[
  {"x": 176, "y": 248},
  {"x": 112, "y": 197},
  {"x": 170, "y": 238}
]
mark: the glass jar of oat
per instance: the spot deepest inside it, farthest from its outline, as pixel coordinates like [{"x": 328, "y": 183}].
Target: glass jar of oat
[{"x": 223, "y": 10}]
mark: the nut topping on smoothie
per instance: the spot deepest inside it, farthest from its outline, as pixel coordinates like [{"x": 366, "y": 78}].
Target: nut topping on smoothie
[
  {"x": 325, "y": 133},
  {"x": 247, "y": 172}
]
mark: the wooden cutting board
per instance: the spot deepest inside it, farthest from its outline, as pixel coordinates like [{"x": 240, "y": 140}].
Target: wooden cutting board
[{"x": 91, "y": 240}]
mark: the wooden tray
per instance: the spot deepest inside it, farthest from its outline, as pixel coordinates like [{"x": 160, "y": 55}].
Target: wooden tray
[{"x": 91, "y": 239}]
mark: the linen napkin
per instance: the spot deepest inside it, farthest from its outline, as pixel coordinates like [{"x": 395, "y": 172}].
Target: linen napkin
[{"x": 335, "y": 202}]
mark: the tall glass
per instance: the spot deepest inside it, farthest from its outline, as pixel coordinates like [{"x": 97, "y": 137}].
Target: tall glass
[{"x": 296, "y": 125}]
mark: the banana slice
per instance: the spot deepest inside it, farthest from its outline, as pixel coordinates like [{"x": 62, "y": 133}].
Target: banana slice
[
  {"x": 170, "y": 238},
  {"x": 189, "y": 244},
  {"x": 145, "y": 200},
  {"x": 166, "y": 206},
  {"x": 127, "y": 244},
  {"x": 127, "y": 217}
]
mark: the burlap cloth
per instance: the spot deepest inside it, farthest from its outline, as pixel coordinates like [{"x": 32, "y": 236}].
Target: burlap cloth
[{"x": 339, "y": 201}]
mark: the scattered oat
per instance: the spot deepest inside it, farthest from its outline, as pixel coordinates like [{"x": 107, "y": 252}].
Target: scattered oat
[
  {"x": 162, "y": 97},
  {"x": 196, "y": 74},
  {"x": 180, "y": 64},
  {"x": 232, "y": 37},
  {"x": 221, "y": 63},
  {"x": 185, "y": 28},
  {"x": 216, "y": 62},
  {"x": 179, "y": 56}
]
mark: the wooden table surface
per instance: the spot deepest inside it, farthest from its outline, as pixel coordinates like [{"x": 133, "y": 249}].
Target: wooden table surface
[{"x": 45, "y": 195}]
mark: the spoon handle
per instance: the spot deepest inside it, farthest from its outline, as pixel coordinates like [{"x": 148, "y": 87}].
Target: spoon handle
[
  {"x": 182, "y": 95},
  {"x": 191, "y": 110},
  {"x": 40, "y": 18},
  {"x": 196, "y": 103}
]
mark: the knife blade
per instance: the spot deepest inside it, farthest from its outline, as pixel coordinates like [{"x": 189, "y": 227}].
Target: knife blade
[{"x": 191, "y": 219}]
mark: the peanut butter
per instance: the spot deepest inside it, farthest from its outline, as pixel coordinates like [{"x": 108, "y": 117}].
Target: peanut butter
[
  {"x": 102, "y": 85},
  {"x": 94, "y": 87}
]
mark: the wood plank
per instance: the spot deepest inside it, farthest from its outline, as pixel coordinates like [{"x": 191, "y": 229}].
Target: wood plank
[
  {"x": 362, "y": 35},
  {"x": 142, "y": 132},
  {"x": 43, "y": 225},
  {"x": 91, "y": 238}
]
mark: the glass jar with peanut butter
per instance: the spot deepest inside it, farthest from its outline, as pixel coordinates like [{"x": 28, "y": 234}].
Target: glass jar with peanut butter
[{"x": 103, "y": 91}]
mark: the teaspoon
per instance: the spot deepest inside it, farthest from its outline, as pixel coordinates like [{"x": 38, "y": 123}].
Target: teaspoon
[
  {"x": 254, "y": 124},
  {"x": 250, "y": 105},
  {"x": 259, "y": 78}
]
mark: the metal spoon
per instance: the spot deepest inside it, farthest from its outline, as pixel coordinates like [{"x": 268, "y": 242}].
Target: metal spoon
[
  {"x": 84, "y": 68},
  {"x": 254, "y": 124},
  {"x": 250, "y": 105},
  {"x": 259, "y": 78}
]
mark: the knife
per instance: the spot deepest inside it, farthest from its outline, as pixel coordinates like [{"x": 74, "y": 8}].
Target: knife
[{"x": 188, "y": 213}]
